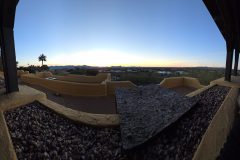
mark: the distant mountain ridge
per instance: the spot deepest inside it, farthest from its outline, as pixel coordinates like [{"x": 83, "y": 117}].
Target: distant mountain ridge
[
  {"x": 69, "y": 67},
  {"x": 114, "y": 67}
]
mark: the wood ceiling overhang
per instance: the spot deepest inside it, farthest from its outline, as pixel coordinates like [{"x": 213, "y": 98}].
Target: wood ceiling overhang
[
  {"x": 226, "y": 15},
  {"x": 7, "y": 13},
  {"x": 7, "y": 18}
]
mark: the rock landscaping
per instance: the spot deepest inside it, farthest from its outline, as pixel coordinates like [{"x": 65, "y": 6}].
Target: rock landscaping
[
  {"x": 181, "y": 139},
  {"x": 147, "y": 110},
  {"x": 39, "y": 133}
]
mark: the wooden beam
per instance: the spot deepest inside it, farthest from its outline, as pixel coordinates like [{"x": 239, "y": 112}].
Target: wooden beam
[
  {"x": 228, "y": 69},
  {"x": 7, "y": 18},
  {"x": 214, "y": 11},
  {"x": 236, "y": 61},
  {"x": 226, "y": 12}
]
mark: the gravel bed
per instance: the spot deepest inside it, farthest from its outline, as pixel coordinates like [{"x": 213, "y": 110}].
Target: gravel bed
[
  {"x": 39, "y": 133},
  {"x": 146, "y": 110},
  {"x": 181, "y": 139}
]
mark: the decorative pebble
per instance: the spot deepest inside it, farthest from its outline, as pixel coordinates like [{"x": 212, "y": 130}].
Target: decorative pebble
[{"x": 61, "y": 138}]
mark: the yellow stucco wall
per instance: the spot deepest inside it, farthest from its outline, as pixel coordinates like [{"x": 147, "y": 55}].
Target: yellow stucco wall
[
  {"x": 192, "y": 82},
  {"x": 173, "y": 82},
  {"x": 10, "y": 101},
  {"x": 20, "y": 72},
  {"x": 100, "y": 120},
  {"x": 209, "y": 148},
  {"x": 68, "y": 88},
  {"x": 78, "y": 89},
  {"x": 219, "y": 128},
  {"x": 27, "y": 95},
  {"x": 6, "y": 147},
  {"x": 111, "y": 86},
  {"x": 44, "y": 74},
  {"x": 85, "y": 79}
]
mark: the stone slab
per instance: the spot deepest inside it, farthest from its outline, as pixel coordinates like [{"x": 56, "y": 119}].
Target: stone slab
[{"x": 145, "y": 111}]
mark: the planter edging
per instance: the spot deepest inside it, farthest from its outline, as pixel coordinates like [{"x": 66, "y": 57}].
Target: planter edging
[{"x": 218, "y": 129}]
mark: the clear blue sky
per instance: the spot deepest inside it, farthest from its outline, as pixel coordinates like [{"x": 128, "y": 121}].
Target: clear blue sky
[{"x": 118, "y": 32}]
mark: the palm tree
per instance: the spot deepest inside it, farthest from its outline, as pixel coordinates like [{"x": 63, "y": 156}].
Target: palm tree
[{"x": 42, "y": 58}]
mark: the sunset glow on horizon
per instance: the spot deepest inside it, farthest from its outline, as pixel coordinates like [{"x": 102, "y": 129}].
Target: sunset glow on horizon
[
  {"x": 107, "y": 58},
  {"x": 148, "y": 33}
]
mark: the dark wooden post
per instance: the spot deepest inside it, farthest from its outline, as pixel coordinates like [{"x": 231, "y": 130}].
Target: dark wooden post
[
  {"x": 9, "y": 59},
  {"x": 236, "y": 61},
  {"x": 229, "y": 59},
  {"x": 7, "y": 18}
]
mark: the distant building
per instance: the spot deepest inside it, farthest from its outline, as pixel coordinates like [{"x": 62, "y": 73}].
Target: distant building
[{"x": 164, "y": 73}]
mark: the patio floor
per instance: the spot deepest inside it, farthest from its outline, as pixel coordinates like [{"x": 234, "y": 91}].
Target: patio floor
[{"x": 98, "y": 105}]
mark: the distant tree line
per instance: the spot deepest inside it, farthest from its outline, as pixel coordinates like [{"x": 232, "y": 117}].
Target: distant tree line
[
  {"x": 88, "y": 72},
  {"x": 34, "y": 69},
  {"x": 31, "y": 68}
]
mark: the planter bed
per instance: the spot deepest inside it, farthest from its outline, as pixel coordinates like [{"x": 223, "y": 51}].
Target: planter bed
[
  {"x": 93, "y": 104},
  {"x": 145, "y": 111},
  {"x": 39, "y": 133},
  {"x": 181, "y": 139}
]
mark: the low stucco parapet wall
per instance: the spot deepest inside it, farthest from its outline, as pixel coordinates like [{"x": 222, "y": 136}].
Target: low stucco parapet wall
[
  {"x": 218, "y": 130},
  {"x": 27, "y": 95},
  {"x": 198, "y": 91},
  {"x": 44, "y": 74},
  {"x": 24, "y": 96},
  {"x": 68, "y": 88},
  {"x": 7, "y": 151},
  {"x": 192, "y": 82},
  {"x": 111, "y": 86},
  {"x": 103, "y": 120},
  {"x": 99, "y": 78},
  {"x": 21, "y": 72},
  {"x": 173, "y": 82},
  {"x": 77, "y": 89}
]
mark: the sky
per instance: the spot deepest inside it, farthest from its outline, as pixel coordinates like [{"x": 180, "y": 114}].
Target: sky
[{"x": 149, "y": 33}]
